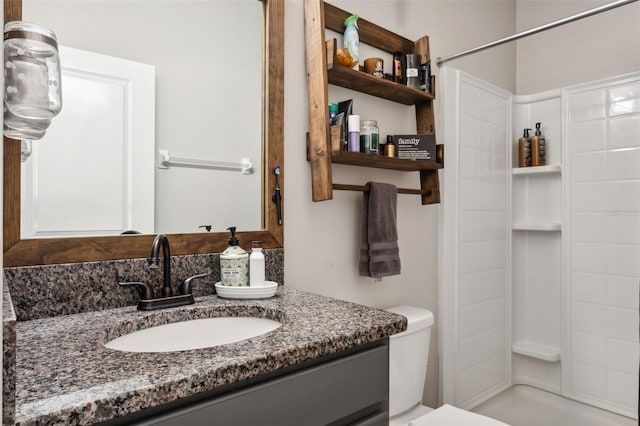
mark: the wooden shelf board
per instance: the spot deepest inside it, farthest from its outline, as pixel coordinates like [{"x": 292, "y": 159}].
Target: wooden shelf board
[
  {"x": 382, "y": 162},
  {"x": 374, "y": 86},
  {"x": 535, "y": 350},
  {"x": 369, "y": 33},
  {"x": 538, "y": 170},
  {"x": 530, "y": 226}
]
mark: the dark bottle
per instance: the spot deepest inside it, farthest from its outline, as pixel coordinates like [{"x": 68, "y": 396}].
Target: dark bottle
[
  {"x": 538, "y": 147},
  {"x": 412, "y": 70},
  {"x": 398, "y": 68}
]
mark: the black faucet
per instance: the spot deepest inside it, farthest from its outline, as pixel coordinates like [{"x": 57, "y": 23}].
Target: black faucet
[
  {"x": 148, "y": 301},
  {"x": 162, "y": 240}
]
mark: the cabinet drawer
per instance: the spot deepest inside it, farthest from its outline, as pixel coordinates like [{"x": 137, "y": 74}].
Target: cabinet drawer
[{"x": 346, "y": 390}]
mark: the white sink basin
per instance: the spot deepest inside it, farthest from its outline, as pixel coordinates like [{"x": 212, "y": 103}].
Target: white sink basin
[{"x": 193, "y": 334}]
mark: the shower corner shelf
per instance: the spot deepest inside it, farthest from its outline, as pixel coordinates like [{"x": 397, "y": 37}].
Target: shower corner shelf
[
  {"x": 535, "y": 350},
  {"x": 537, "y": 226},
  {"x": 322, "y": 70},
  {"x": 538, "y": 170}
]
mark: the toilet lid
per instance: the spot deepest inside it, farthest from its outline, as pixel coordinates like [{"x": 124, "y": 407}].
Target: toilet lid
[
  {"x": 417, "y": 318},
  {"x": 448, "y": 415}
]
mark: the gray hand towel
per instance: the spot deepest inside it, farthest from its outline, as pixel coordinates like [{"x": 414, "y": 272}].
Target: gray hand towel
[{"x": 379, "y": 254}]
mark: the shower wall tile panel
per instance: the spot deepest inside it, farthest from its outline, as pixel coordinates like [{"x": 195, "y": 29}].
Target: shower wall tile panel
[
  {"x": 604, "y": 218},
  {"x": 482, "y": 241}
]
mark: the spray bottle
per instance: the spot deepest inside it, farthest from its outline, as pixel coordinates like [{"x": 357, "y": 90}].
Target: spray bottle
[
  {"x": 524, "y": 149},
  {"x": 351, "y": 40},
  {"x": 538, "y": 148}
]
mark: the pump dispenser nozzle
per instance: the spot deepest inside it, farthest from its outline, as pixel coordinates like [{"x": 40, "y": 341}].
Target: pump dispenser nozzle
[
  {"x": 233, "y": 241},
  {"x": 525, "y": 134},
  {"x": 538, "y": 132}
]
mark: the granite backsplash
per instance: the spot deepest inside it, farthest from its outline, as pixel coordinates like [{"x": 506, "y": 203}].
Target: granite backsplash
[{"x": 64, "y": 289}]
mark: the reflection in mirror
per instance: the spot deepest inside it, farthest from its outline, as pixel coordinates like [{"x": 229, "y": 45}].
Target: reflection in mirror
[
  {"x": 178, "y": 76},
  {"x": 43, "y": 251}
]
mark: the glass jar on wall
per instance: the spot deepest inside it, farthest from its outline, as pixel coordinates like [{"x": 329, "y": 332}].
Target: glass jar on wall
[{"x": 32, "y": 71}]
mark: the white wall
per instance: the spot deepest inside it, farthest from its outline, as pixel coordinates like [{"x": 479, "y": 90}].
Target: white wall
[
  {"x": 591, "y": 49},
  {"x": 322, "y": 239}
]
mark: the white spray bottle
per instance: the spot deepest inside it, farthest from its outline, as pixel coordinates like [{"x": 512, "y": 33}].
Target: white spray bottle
[{"x": 351, "y": 39}]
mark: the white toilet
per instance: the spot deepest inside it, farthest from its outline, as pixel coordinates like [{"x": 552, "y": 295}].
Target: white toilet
[{"x": 408, "y": 352}]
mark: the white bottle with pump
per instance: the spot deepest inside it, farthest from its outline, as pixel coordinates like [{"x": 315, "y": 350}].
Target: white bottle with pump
[
  {"x": 234, "y": 263},
  {"x": 256, "y": 264}
]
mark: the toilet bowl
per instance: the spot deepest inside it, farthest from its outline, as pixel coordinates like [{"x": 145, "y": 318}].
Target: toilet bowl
[{"x": 408, "y": 354}]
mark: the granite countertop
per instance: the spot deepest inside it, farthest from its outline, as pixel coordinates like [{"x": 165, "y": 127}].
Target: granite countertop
[{"x": 66, "y": 375}]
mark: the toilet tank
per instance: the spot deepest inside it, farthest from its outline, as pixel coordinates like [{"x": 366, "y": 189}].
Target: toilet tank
[{"x": 408, "y": 353}]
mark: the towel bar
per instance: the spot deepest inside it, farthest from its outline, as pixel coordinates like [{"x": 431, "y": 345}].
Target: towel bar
[
  {"x": 362, "y": 188},
  {"x": 166, "y": 161}
]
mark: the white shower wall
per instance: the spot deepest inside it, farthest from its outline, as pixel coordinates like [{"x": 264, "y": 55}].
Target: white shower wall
[
  {"x": 602, "y": 266},
  {"x": 571, "y": 245},
  {"x": 475, "y": 247}
]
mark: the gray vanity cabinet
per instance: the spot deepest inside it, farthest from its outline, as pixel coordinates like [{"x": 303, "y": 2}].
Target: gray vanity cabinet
[{"x": 351, "y": 388}]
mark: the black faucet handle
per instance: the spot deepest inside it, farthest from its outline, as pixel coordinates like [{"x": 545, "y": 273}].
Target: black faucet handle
[
  {"x": 145, "y": 290},
  {"x": 185, "y": 287}
]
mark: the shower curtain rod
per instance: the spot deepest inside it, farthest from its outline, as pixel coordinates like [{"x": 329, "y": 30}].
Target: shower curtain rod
[{"x": 585, "y": 14}]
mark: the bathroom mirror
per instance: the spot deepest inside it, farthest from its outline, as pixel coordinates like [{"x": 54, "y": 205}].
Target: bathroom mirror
[
  {"x": 18, "y": 252},
  {"x": 163, "y": 85}
]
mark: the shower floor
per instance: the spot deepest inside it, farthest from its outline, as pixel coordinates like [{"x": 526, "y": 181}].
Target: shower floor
[{"x": 526, "y": 406}]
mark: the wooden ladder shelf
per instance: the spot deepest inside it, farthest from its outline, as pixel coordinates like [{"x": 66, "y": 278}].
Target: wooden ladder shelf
[{"x": 322, "y": 70}]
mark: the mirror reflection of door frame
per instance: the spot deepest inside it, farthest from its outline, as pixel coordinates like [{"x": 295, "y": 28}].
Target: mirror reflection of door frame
[{"x": 80, "y": 179}]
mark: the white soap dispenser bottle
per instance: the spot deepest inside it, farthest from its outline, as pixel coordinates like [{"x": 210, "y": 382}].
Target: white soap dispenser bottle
[
  {"x": 234, "y": 263},
  {"x": 256, "y": 264}
]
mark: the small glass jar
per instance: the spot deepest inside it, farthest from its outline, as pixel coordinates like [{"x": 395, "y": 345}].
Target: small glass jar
[
  {"x": 369, "y": 137},
  {"x": 32, "y": 71}
]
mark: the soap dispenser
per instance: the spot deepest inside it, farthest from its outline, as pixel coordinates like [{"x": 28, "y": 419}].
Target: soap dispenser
[
  {"x": 524, "y": 149},
  {"x": 234, "y": 263},
  {"x": 538, "y": 148}
]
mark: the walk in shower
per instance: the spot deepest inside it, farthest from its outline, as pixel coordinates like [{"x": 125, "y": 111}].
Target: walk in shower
[{"x": 540, "y": 272}]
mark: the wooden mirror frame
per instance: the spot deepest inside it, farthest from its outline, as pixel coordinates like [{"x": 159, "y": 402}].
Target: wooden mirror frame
[{"x": 44, "y": 251}]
